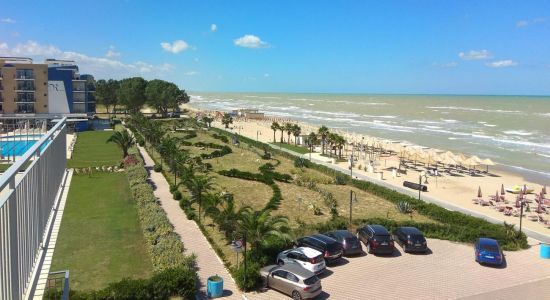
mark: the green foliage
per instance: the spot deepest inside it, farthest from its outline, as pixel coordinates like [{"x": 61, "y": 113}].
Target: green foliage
[
  {"x": 177, "y": 195},
  {"x": 220, "y": 137},
  {"x": 131, "y": 93},
  {"x": 301, "y": 162},
  {"x": 123, "y": 140},
  {"x": 404, "y": 207},
  {"x": 340, "y": 180},
  {"x": 157, "y": 168},
  {"x": 172, "y": 282},
  {"x": 227, "y": 119},
  {"x": 165, "y": 247},
  {"x": 163, "y": 95},
  {"x": 253, "y": 278}
]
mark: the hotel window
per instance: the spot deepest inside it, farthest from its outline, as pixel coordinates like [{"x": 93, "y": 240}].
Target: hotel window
[
  {"x": 25, "y": 108},
  {"x": 24, "y": 74}
]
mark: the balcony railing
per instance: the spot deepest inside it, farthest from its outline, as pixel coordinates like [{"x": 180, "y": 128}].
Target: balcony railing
[
  {"x": 24, "y": 110},
  {"x": 24, "y": 87},
  {"x": 24, "y": 75},
  {"x": 28, "y": 98}
]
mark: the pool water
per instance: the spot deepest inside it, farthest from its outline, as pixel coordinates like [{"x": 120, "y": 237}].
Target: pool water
[{"x": 17, "y": 147}]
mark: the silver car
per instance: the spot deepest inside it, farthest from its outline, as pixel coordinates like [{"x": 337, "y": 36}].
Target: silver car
[{"x": 292, "y": 280}]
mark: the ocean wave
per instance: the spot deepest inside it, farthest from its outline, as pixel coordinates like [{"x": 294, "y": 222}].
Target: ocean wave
[
  {"x": 475, "y": 109},
  {"x": 518, "y": 132},
  {"x": 381, "y": 117},
  {"x": 544, "y": 114},
  {"x": 489, "y": 125},
  {"x": 424, "y": 122},
  {"x": 449, "y": 121}
]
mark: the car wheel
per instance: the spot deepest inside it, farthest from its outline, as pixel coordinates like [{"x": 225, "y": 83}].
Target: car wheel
[
  {"x": 296, "y": 295},
  {"x": 280, "y": 262}
]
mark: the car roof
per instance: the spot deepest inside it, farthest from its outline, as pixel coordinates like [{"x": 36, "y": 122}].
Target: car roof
[
  {"x": 379, "y": 229},
  {"x": 309, "y": 252},
  {"x": 324, "y": 238},
  {"x": 488, "y": 241},
  {"x": 342, "y": 233},
  {"x": 297, "y": 270},
  {"x": 410, "y": 230}
]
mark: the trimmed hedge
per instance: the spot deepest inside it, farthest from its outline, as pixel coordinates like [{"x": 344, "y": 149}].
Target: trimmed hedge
[
  {"x": 165, "y": 247},
  {"x": 169, "y": 283}
]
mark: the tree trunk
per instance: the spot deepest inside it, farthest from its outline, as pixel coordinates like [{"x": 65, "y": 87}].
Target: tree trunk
[{"x": 273, "y": 136}]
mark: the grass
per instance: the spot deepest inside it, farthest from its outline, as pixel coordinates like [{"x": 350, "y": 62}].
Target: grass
[
  {"x": 100, "y": 239},
  {"x": 297, "y": 149},
  {"x": 92, "y": 150}
]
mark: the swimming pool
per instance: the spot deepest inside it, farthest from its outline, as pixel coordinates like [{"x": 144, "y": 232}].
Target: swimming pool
[{"x": 17, "y": 145}]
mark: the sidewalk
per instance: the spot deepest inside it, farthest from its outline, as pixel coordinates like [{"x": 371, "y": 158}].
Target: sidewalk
[{"x": 208, "y": 263}]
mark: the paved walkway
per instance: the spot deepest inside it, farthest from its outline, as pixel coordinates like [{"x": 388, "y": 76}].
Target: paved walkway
[{"x": 208, "y": 262}]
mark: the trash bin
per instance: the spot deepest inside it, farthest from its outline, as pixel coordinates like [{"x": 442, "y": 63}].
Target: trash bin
[
  {"x": 214, "y": 286},
  {"x": 544, "y": 251}
]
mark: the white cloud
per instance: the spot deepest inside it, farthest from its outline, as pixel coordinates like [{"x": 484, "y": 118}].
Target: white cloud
[
  {"x": 176, "y": 47},
  {"x": 112, "y": 53},
  {"x": 100, "y": 67},
  {"x": 213, "y": 27},
  {"x": 250, "y": 41},
  {"x": 502, "y": 63},
  {"x": 525, "y": 23},
  {"x": 7, "y": 20},
  {"x": 475, "y": 55},
  {"x": 451, "y": 64},
  {"x": 190, "y": 73}
]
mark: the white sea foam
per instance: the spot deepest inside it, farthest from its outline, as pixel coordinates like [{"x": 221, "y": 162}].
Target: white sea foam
[
  {"x": 425, "y": 122},
  {"x": 381, "y": 117},
  {"x": 489, "y": 125},
  {"x": 475, "y": 109},
  {"x": 518, "y": 132},
  {"x": 449, "y": 121}
]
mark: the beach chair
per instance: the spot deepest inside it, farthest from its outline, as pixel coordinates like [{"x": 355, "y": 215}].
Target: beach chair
[{"x": 533, "y": 218}]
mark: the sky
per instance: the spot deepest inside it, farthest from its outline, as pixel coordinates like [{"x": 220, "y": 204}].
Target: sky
[{"x": 417, "y": 47}]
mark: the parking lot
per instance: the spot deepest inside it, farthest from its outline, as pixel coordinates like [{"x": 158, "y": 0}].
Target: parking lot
[{"x": 447, "y": 272}]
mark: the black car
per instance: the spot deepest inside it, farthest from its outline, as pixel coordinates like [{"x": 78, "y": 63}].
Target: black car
[
  {"x": 377, "y": 239},
  {"x": 350, "y": 243},
  {"x": 410, "y": 239},
  {"x": 331, "y": 248}
]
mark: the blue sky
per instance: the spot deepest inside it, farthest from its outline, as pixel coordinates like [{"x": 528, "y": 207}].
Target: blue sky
[{"x": 452, "y": 47}]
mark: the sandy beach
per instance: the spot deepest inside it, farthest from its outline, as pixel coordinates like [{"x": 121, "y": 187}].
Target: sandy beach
[{"x": 458, "y": 190}]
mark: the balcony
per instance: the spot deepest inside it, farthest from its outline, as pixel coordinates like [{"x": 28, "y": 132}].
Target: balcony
[
  {"x": 79, "y": 97},
  {"x": 25, "y": 97},
  {"x": 24, "y": 75},
  {"x": 25, "y": 86},
  {"x": 27, "y": 110}
]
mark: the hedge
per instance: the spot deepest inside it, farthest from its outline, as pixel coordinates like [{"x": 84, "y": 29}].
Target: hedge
[
  {"x": 471, "y": 226},
  {"x": 180, "y": 281}
]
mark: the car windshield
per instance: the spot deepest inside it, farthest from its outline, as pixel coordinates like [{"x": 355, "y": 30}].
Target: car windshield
[
  {"x": 417, "y": 238},
  {"x": 489, "y": 247},
  {"x": 311, "y": 280},
  {"x": 351, "y": 240},
  {"x": 333, "y": 246}
]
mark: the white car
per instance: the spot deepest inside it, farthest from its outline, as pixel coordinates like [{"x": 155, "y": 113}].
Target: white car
[{"x": 308, "y": 258}]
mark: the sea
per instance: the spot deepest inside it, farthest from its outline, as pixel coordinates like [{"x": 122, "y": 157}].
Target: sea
[{"x": 513, "y": 131}]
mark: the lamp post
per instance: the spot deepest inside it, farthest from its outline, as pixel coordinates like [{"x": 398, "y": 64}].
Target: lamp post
[
  {"x": 352, "y": 198},
  {"x": 422, "y": 174},
  {"x": 521, "y": 203},
  {"x": 258, "y": 132},
  {"x": 351, "y": 166}
]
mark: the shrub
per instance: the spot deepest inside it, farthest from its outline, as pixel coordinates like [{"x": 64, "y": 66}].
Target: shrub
[
  {"x": 130, "y": 160},
  {"x": 177, "y": 195},
  {"x": 340, "y": 180},
  {"x": 253, "y": 278},
  {"x": 157, "y": 168},
  {"x": 300, "y": 162},
  {"x": 173, "y": 188},
  {"x": 404, "y": 207}
]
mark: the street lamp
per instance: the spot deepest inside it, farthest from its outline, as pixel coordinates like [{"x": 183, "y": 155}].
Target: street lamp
[
  {"x": 351, "y": 166},
  {"x": 352, "y": 198},
  {"x": 521, "y": 204},
  {"x": 422, "y": 174}
]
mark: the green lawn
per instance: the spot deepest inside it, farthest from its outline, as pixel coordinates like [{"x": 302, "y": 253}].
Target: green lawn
[
  {"x": 298, "y": 149},
  {"x": 92, "y": 150},
  {"x": 100, "y": 240}
]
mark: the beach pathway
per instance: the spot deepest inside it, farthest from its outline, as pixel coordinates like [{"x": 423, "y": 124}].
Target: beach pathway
[{"x": 208, "y": 263}]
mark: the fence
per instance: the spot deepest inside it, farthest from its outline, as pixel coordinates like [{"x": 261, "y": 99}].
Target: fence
[{"x": 26, "y": 203}]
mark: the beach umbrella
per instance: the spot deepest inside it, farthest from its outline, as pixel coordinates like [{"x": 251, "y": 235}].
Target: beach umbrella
[
  {"x": 502, "y": 191},
  {"x": 541, "y": 197},
  {"x": 479, "y": 195},
  {"x": 544, "y": 189},
  {"x": 497, "y": 197},
  {"x": 487, "y": 162}
]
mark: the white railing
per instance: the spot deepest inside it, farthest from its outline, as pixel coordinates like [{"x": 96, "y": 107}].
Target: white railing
[{"x": 26, "y": 202}]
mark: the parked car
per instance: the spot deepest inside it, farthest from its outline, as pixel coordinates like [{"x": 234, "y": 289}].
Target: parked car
[
  {"x": 292, "y": 280},
  {"x": 310, "y": 259},
  {"x": 331, "y": 248},
  {"x": 350, "y": 243},
  {"x": 488, "y": 251},
  {"x": 376, "y": 238},
  {"x": 410, "y": 239}
]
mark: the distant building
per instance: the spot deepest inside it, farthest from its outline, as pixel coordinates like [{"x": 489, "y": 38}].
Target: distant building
[
  {"x": 247, "y": 113},
  {"x": 54, "y": 88}
]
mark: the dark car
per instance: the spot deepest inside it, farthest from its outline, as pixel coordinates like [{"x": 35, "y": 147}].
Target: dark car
[
  {"x": 350, "y": 243},
  {"x": 410, "y": 239},
  {"x": 376, "y": 238},
  {"x": 331, "y": 248},
  {"x": 488, "y": 251}
]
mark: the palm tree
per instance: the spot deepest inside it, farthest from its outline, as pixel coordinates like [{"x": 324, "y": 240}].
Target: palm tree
[
  {"x": 224, "y": 213},
  {"x": 296, "y": 131},
  {"x": 275, "y": 126},
  {"x": 331, "y": 139},
  {"x": 227, "y": 119},
  {"x": 282, "y": 129},
  {"x": 323, "y": 134},
  {"x": 198, "y": 185},
  {"x": 177, "y": 160},
  {"x": 312, "y": 140},
  {"x": 340, "y": 142},
  {"x": 260, "y": 225},
  {"x": 208, "y": 121},
  {"x": 123, "y": 140},
  {"x": 288, "y": 129}
]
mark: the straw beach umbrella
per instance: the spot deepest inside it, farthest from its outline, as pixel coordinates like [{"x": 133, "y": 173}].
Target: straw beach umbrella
[
  {"x": 487, "y": 162},
  {"x": 502, "y": 191},
  {"x": 479, "y": 195}
]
